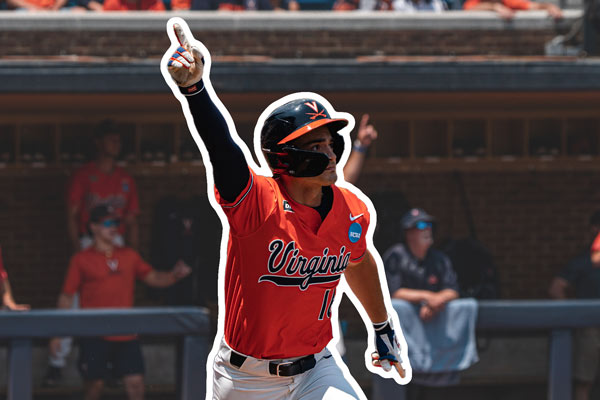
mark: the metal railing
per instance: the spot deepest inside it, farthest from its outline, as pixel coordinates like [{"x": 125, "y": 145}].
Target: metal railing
[
  {"x": 20, "y": 328},
  {"x": 557, "y": 318}
]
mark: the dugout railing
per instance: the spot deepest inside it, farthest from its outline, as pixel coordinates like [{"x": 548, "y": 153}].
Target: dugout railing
[
  {"x": 19, "y": 329},
  {"x": 557, "y": 319}
]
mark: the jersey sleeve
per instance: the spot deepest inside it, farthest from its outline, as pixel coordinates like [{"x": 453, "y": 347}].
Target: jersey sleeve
[
  {"x": 517, "y": 4},
  {"x": 360, "y": 248},
  {"x": 252, "y": 206},
  {"x": 142, "y": 268},
  {"x": 73, "y": 279},
  {"x": 359, "y": 213},
  {"x": 3, "y": 275}
]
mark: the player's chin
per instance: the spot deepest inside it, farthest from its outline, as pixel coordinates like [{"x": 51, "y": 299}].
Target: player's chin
[{"x": 328, "y": 177}]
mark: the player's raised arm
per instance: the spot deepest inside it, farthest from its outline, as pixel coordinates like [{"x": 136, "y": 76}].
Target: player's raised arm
[{"x": 186, "y": 68}]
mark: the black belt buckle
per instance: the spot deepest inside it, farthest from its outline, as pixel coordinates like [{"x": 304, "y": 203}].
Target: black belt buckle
[
  {"x": 283, "y": 364},
  {"x": 291, "y": 368}
]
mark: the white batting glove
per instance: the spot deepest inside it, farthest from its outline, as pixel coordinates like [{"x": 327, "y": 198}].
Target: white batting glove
[
  {"x": 388, "y": 348},
  {"x": 187, "y": 63}
]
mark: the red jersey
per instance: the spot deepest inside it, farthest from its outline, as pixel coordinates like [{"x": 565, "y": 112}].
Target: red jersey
[
  {"x": 3, "y": 275},
  {"x": 512, "y": 4},
  {"x": 105, "y": 281},
  {"x": 133, "y": 5},
  {"x": 596, "y": 244},
  {"x": 283, "y": 267},
  {"x": 91, "y": 187}
]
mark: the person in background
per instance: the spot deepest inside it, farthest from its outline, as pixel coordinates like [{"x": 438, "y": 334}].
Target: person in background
[
  {"x": 8, "y": 302},
  {"x": 129, "y": 5},
  {"x": 105, "y": 275},
  {"x": 365, "y": 137},
  {"x": 581, "y": 279},
  {"x": 417, "y": 273},
  {"x": 100, "y": 182},
  {"x": 410, "y": 6},
  {"x": 242, "y": 5},
  {"x": 506, "y": 8}
]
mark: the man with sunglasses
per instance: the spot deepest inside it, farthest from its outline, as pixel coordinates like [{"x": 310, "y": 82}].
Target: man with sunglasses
[
  {"x": 98, "y": 182},
  {"x": 417, "y": 273},
  {"x": 104, "y": 275}
]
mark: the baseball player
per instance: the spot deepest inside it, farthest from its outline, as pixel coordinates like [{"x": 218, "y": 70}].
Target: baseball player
[{"x": 291, "y": 238}]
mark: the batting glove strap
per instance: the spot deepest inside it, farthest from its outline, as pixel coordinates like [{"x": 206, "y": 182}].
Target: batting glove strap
[
  {"x": 192, "y": 90},
  {"x": 386, "y": 344}
]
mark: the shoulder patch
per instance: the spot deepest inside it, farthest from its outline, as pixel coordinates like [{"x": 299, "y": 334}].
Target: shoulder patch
[{"x": 287, "y": 207}]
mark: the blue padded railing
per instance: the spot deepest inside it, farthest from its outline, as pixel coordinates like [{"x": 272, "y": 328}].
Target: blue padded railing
[{"x": 20, "y": 328}]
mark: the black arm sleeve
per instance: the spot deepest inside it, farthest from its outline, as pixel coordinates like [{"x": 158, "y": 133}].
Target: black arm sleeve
[{"x": 230, "y": 168}]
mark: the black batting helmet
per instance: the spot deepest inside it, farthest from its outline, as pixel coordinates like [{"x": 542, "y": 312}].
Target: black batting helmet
[{"x": 289, "y": 122}]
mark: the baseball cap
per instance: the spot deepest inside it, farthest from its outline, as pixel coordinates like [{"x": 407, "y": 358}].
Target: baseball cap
[
  {"x": 413, "y": 216},
  {"x": 101, "y": 212}
]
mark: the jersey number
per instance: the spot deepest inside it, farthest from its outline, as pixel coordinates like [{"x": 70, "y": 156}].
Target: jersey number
[{"x": 327, "y": 302}]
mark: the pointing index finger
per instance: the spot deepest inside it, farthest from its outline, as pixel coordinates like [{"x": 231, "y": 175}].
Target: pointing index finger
[
  {"x": 181, "y": 36},
  {"x": 364, "y": 121}
]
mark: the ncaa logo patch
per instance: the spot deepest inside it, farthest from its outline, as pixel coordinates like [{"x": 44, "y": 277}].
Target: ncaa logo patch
[
  {"x": 354, "y": 232},
  {"x": 125, "y": 187}
]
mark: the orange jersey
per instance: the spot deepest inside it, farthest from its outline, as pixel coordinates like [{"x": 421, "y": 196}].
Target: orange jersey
[
  {"x": 512, "y": 4},
  {"x": 105, "y": 281},
  {"x": 133, "y": 5},
  {"x": 283, "y": 267},
  {"x": 596, "y": 244},
  {"x": 91, "y": 187},
  {"x": 3, "y": 275}
]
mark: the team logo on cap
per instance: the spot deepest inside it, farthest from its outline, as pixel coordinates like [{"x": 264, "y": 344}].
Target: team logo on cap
[
  {"x": 313, "y": 106},
  {"x": 354, "y": 232}
]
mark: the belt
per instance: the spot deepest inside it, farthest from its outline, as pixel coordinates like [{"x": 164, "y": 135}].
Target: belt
[{"x": 289, "y": 368}]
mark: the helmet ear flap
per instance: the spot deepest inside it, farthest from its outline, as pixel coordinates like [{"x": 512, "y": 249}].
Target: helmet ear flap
[{"x": 338, "y": 146}]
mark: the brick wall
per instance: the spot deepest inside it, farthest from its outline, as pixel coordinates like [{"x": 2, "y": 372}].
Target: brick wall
[
  {"x": 531, "y": 221},
  {"x": 283, "y": 44}
]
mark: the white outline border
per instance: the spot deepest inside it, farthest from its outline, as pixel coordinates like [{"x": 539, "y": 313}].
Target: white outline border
[{"x": 264, "y": 169}]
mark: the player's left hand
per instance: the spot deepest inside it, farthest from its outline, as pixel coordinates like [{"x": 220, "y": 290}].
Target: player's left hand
[
  {"x": 388, "y": 349},
  {"x": 186, "y": 65},
  {"x": 181, "y": 270}
]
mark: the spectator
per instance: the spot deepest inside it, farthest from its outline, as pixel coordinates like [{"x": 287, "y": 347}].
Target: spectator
[
  {"x": 365, "y": 136},
  {"x": 241, "y": 5},
  {"x": 506, "y": 8},
  {"x": 102, "y": 182},
  {"x": 417, "y": 273},
  {"x": 178, "y": 5},
  {"x": 8, "y": 302},
  {"x": 410, "y": 6},
  {"x": 36, "y": 5},
  {"x": 285, "y": 5},
  {"x": 99, "y": 182},
  {"x": 581, "y": 278},
  {"x": 105, "y": 275},
  {"x": 134, "y": 5}
]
